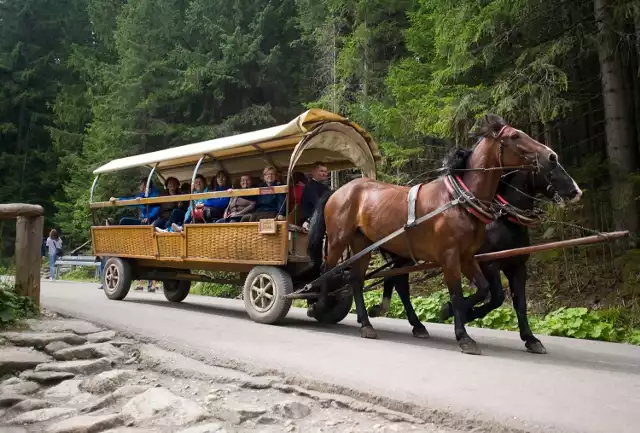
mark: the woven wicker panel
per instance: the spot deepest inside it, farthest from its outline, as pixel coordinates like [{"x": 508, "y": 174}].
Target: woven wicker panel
[
  {"x": 236, "y": 243},
  {"x": 169, "y": 245},
  {"x": 129, "y": 241}
]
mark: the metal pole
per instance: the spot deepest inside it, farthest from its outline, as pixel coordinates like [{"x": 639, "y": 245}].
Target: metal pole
[
  {"x": 195, "y": 172},
  {"x": 93, "y": 187}
]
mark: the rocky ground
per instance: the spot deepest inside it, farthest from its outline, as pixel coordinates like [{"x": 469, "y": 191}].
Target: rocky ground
[{"x": 70, "y": 376}]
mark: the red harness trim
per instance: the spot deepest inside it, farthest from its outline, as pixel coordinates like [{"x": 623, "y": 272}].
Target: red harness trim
[
  {"x": 513, "y": 219},
  {"x": 469, "y": 209}
]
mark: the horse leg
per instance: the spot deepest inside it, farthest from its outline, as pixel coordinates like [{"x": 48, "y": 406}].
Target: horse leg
[
  {"x": 517, "y": 275},
  {"x": 483, "y": 288},
  {"x": 451, "y": 270},
  {"x": 492, "y": 275},
  {"x": 402, "y": 287},
  {"x": 335, "y": 249},
  {"x": 383, "y": 308},
  {"x": 356, "y": 278}
]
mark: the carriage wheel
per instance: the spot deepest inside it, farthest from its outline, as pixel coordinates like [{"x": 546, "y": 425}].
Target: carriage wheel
[
  {"x": 263, "y": 294},
  {"x": 176, "y": 290},
  {"x": 338, "y": 307},
  {"x": 116, "y": 278}
]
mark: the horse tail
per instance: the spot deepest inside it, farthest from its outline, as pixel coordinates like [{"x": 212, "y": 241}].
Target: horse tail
[{"x": 317, "y": 230}]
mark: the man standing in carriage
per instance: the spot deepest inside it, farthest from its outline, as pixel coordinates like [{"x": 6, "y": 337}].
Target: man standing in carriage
[{"x": 313, "y": 192}]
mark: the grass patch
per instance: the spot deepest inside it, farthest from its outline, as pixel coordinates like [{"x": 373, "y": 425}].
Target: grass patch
[
  {"x": 14, "y": 307},
  {"x": 80, "y": 273}
]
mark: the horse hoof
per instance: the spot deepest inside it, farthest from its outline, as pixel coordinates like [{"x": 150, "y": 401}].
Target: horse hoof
[
  {"x": 535, "y": 347},
  {"x": 368, "y": 332},
  {"x": 374, "y": 311},
  {"x": 469, "y": 347},
  {"x": 420, "y": 332},
  {"x": 446, "y": 311}
]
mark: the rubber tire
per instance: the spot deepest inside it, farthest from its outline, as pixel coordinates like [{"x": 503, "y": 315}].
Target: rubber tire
[
  {"x": 125, "y": 277},
  {"x": 176, "y": 290},
  {"x": 340, "y": 308},
  {"x": 282, "y": 285}
]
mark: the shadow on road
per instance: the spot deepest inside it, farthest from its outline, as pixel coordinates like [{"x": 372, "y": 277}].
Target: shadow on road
[{"x": 441, "y": 338}]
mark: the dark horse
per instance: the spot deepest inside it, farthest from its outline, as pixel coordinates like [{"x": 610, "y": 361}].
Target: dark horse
[
  {"x": 517, "y": 192},
  {"x": 364, "y": 211}
]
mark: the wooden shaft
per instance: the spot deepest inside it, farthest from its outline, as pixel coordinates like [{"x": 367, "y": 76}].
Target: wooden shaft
[
  {"x": 595, "y": 239},
  {"x": 14, "y": 210},
  {"x": 280, "y": 189},
  {"x": 28, "y": 243}
]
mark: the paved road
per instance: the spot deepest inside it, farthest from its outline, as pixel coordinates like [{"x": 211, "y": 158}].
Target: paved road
[{"x": 580, "y": 386}]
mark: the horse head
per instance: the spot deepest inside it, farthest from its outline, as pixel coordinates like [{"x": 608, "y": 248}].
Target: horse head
[{"x": 514, "y": 148}]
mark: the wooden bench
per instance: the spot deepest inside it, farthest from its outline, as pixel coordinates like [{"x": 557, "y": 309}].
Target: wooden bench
[{"x": 71, "y": 261}]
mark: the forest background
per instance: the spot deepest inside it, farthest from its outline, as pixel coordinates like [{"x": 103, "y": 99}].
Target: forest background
[{"x": 86, "y": 81}]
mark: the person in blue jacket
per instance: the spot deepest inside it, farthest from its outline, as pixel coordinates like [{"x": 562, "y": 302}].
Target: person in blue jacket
[
  {"x": 214, "y": 207},
  {"x": 148, "y": 213}
]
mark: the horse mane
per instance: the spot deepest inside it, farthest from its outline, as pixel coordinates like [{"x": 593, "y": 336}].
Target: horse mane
[
  {"x": 456, "y": 159},
  {"x": 487, "y": 126}
]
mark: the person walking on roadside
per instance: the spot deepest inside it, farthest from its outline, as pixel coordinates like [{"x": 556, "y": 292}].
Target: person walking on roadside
[{"x": 54, "y": 243}]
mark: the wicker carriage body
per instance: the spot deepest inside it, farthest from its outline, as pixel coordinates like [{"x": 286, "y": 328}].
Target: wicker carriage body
[{"x": 225, "y": 244}]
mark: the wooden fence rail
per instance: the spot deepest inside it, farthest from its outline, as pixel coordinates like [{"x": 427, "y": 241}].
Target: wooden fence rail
[{"x": 29, "y": 228}]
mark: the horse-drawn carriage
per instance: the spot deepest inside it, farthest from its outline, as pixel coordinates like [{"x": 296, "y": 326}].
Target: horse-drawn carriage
[
  {"x": 267, "y": 253},
  {"x": 437, "y": 224}
]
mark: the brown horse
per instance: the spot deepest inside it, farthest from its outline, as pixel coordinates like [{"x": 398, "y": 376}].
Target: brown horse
[{"x": 364, "y": 211}]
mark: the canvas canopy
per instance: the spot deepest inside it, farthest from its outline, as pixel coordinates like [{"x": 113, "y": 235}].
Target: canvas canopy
[{"x": 315, "y": 135}]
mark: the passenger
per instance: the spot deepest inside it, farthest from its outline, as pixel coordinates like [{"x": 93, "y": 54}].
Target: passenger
[
  {"x": 214, "y": 207},
  {"x": 268, "y": 205},
  {"x": 239, "y": 206},
  {"x": 313, "y": 192},
  {"x": 170, "y": 212},
  {"x": 193, "y": 214},
  {"x": 148, "y": 213}
]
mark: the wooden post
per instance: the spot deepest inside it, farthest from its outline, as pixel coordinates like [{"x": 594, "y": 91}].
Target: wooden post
[{"x": 29, "y": 228}]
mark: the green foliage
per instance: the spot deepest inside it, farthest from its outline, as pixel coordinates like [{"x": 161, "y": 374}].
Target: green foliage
[
  {"x": 578, "y": 323},
  {"x": 14, "y": 307},
  {"x": 217, "y": 290},
  {"x": 79, "y": 273}
]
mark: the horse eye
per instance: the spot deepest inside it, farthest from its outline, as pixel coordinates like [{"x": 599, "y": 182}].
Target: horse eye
[{"x": 515, "y": 136}]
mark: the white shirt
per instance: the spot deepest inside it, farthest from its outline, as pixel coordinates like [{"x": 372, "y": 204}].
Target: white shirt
[{"x": 53, "y": 244}]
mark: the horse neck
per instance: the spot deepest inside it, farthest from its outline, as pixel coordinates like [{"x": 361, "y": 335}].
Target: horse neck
[{"x": 483, "y": 184}]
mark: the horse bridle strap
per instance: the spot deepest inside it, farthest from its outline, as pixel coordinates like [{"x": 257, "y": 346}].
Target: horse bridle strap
[
  {"x": 516, "y": 215},
  {"x": 475, "y": 207}
]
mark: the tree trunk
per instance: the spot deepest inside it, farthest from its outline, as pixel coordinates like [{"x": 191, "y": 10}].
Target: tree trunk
[{"x": 621, "y": 150}]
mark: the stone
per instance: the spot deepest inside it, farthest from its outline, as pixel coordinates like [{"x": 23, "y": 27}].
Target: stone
[
  {"x": 40, "y": 340},
  {"x": 22, "y": 387},
  {"x": 266, "y": 419},
  {"x": 205, "y": 428},
  {"x": 238, "y": 413},
  {"x": 82, "y": 399},
  {"x": 52, "y": 348},
  {"x": 13, "y": 429},
  {"x": 160, "y": 402},
  {"x": 129, "y": 430},
  {"x": 87, "y": 424},
  {"x": 107, "y": 381},
  {"x": 73, "y": 325},
  {"x": 92, "y": 366},
  {"x": 19, "y": 359},
  {"x": 292, "y": 409},
  {"x": 65, "y": 390},
  {"x": 11, "y": 381},
  {"x": 31, "y": 404},
  {"x": 8, "y": 400},
  {"x": 89, "y": 351},
  {"x": 122, "y": 342},
  {"x": 47, "y": 377},
  {"x": 126, "y": 391},
  {"x": 41, "y": 415},
  {"x": 101, "y": 337}
]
